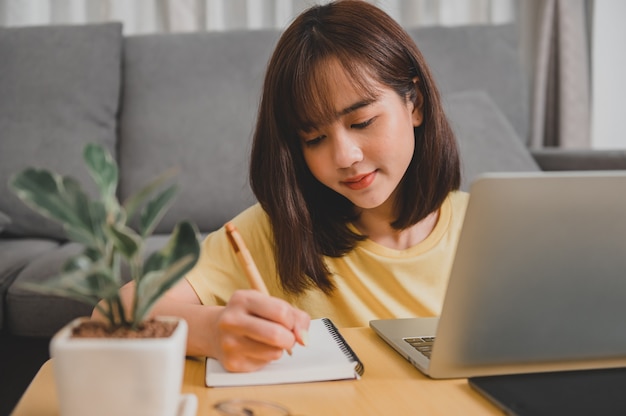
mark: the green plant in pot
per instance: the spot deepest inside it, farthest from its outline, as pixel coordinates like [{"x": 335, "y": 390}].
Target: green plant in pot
[{"x": 143, "y": 374}]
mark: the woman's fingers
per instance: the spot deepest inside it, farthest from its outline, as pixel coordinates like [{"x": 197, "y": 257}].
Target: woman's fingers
[
  {"x": 301, "y": 327},
  {"x": 255, "y": 329},
  {"x": 274, "y": 311},
  {"x": 241, "y": 354}
]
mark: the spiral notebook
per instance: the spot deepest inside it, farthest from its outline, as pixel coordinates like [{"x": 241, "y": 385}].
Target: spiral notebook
[{"x": 326, "y": 357}]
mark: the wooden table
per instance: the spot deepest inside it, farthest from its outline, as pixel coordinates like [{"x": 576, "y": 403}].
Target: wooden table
[{"x": 389, "y": 386}]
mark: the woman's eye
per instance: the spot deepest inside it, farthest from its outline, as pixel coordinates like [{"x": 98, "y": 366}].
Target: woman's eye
[
  {"x": 363, "y": 124},
  {"x": 314, "y": 141}
]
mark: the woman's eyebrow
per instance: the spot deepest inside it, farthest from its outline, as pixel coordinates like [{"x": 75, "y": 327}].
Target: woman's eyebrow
[
  {"x": 359, "y": 104},
  {"x": 354, "y": 107}
]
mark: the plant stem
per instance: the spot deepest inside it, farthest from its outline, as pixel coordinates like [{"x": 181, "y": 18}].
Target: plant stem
[
  {"x": 109, "y": 312},
  {"x": 136, "y": 268},
  {"x": 123, "y": 321}
]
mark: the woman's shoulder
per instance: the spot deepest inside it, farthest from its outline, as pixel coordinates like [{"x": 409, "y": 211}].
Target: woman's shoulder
[
  {"x": 253, "y": 222},
  {"x": 253, "y": 213},
  {"x": 459, "y": 199}
]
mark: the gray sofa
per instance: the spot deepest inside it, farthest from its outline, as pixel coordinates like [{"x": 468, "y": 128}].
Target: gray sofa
[{"x": 189, "y": 101}]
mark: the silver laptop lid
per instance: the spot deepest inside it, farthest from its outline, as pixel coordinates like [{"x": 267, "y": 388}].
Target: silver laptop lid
[{"x": 539, "y": 278}]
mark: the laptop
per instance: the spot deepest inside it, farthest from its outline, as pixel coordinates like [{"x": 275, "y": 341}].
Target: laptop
[{"x": 538, "y": 282}]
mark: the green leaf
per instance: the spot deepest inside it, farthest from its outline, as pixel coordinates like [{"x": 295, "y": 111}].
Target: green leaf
[
  {"x": 164, "y": 268},
  {"x": 78, "y": 202},
  {"x": 80, "y": 262},
  {"x": 183, "y": 241},
  {"x": 68, "y": 293},
  {"x": 89, "y": 259},
  {"x": 43, "y": 191},
  {"x": 86, "y": 286},
  {"x": 103, "y": 170},
  {"x": 124, "y": 239},
  {"x": 98, "y": 215},
  {"x": 156, "y": 283},
  {"x": 155, "y": 210},
  {"x": 104, "y": 284},
  {"x": 58, "y": 198},
  {"x": 132, "y": 204}
]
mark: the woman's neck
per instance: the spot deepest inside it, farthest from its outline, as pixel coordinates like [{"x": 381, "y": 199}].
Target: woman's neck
[{"x": 377, "y": 226}]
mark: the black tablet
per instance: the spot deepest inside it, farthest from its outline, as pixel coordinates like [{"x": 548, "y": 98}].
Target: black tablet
[{"x": 588, "y": 392}]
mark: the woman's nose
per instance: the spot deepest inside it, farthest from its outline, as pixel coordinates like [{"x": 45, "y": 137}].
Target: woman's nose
[{"x": 347, "y": 150}]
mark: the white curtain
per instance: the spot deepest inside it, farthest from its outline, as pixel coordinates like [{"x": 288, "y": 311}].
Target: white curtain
[
  {"x": 149, "y": 16},
  {"x": 607, "y": 78},
  {"x": 561, "y": 114}
]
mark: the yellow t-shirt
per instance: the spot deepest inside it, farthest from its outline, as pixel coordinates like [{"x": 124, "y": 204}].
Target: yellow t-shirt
[{"x": 371, "y": 281}]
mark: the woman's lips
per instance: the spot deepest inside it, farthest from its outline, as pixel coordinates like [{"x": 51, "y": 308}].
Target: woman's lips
[{"x": 360, "y": 182}]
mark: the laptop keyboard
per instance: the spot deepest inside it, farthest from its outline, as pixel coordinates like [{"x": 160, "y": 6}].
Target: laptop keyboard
[{"x": 422, "y": 344}]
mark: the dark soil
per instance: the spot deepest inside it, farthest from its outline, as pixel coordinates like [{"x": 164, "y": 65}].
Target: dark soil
[{"x": 149, "y": 329}]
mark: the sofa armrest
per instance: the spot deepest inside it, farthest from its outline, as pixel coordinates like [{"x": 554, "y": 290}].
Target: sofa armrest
[{"x": 566, "y": 159}]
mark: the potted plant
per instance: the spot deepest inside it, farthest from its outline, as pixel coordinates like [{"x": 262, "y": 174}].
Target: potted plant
[{"x": 122, "y": 369}]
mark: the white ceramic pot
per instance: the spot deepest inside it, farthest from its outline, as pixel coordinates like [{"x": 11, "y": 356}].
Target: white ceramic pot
[{"x": 96, "y": 376}]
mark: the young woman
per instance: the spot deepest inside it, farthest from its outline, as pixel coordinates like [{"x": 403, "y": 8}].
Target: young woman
[{"x": 356, "y": 172}]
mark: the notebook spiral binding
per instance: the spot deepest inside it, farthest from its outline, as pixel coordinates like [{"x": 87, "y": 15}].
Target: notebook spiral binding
[{"x": 343, "y": 345}]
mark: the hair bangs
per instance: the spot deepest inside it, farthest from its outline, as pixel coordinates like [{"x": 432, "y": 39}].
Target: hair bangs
[{"x": 313, "y": 91}]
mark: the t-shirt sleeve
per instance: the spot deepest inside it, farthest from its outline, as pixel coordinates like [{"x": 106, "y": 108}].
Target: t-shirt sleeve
[{"x": 218, "y": 274}]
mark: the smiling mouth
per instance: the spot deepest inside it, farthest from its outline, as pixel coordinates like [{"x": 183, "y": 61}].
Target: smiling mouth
[{"x": 360, "y": 182}]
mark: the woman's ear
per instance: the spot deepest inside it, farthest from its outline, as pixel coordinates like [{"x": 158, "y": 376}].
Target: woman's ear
[{"x": 418, "y": 104}]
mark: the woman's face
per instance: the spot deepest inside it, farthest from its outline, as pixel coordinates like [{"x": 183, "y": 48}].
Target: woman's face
[{"x": 364, "y": 152}]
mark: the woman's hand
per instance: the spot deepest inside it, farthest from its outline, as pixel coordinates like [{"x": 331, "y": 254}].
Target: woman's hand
[{"x": 254, "y": 329}]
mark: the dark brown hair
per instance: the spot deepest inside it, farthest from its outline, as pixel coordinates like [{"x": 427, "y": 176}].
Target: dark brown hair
[{"x": 308, "y": 219}]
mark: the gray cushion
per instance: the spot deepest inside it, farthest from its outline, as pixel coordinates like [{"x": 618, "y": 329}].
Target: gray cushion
[
  {"x": 60, "y": 89},
  {"x": 487, "y": 141},
  {"x": 190, "y": 101},
  {"x": 479, "y": 57},
  {"x": 4, "y": 220}
]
